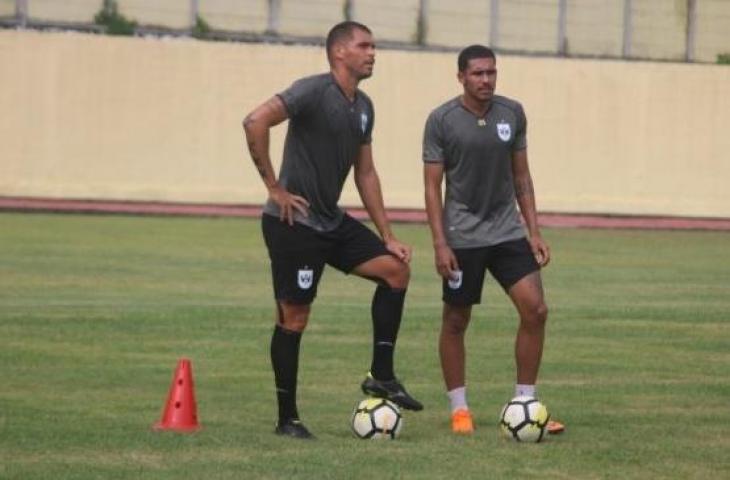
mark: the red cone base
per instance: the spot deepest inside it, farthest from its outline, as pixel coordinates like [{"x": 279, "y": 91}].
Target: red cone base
[{"x": 180, "y": 412}]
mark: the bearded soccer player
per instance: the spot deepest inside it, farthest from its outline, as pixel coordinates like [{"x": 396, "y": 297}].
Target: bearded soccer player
[
  {"x": 478, "y": 142},
  {"x": 329, "y": 132}
]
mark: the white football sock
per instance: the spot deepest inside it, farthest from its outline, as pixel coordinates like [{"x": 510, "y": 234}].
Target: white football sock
[
  {"x": 522, "y": 390},
  {"x": 457, "y": 398}
]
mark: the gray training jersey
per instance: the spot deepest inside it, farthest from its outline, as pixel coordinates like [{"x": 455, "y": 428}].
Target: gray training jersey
[
  {"x": 479, "y": 208},
  {"x": 323, "y": 139}
]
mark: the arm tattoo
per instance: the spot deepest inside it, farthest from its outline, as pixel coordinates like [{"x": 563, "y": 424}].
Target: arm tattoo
[
  {"x": 256, "y": 159},
  {"x": 269, "y": 114},
  {"x": 247, "y": 122},
  {"x": 523, "y": 187}
]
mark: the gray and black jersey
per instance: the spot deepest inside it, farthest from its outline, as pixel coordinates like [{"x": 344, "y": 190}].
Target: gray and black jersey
[
  {"x": 479, "y": 208},
  {"x": 323, "y": 139}
]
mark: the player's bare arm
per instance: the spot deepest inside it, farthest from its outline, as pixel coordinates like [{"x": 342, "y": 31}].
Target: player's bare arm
[
  {"x": 368, "y": 186},
  {"x": 256, "y": 125},
  {"x": 525, "y": 194},
  {"x": 444, "y": 258}
]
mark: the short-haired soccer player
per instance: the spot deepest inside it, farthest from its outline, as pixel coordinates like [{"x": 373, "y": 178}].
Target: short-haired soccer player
[
  {"x": 329, "y": 133},
  {"x": 478, "y": 142}
]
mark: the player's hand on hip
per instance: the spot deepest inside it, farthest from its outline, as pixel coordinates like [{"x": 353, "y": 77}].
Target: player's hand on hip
[
  {"x": 541, "y": 250},
  {"x": 288, "y": 203},
  {"x": 446, "y": 263},
  {"x": 399, "y": 249}
]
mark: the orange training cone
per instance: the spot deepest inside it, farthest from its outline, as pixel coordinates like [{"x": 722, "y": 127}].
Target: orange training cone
[{"x": 180, "y": 412}]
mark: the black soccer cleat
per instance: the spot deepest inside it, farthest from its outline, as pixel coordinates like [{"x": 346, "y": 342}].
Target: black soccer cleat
[
  {"x": 294, "y": 429},
  {"x": 391, "y": 390}
]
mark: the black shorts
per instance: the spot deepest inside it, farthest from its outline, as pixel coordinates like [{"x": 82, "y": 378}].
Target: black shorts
[
  {"x": 298, "y": 254},
  {"x": 508, "y": 262}
]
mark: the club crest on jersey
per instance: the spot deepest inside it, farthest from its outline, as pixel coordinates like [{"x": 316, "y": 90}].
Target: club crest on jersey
[
  {"x": 455, "y": 281},
  {"x": 363, "y": 122},
  {"x": 305, "y": 277},
  {"x": 504, "y": 131}
]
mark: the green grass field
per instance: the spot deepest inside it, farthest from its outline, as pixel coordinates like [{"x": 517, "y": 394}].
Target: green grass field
[{"x": 95, "y": 312}]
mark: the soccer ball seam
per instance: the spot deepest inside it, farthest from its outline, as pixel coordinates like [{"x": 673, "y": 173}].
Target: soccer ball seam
[
  {"x": 519, "y": 409},
  {"x": 371, "y": 411}
]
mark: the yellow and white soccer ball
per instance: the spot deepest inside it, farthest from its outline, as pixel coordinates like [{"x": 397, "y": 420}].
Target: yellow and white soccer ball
[
  {"x": 524, "y": 419},
  {"x": 376, "y": 418}
]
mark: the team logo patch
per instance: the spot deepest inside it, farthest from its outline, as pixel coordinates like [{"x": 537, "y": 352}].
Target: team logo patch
[
  {"x": 504, "y": 131},
  {"x": 304, "y": 278},
  {"x": 364, "y": 122},
  {"x": 455, "y": 281}
]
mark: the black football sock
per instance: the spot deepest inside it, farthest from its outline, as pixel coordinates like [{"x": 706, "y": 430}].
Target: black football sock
[
  {"x": 285, "y": 361},
  {"x": 387, "y": 310}
]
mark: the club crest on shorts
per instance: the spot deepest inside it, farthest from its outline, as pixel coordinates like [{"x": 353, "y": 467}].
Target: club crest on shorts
[
  {"x": 455, "y": 281},
  {"x": 363, "y": 121},
  {"x": 305, "y": 276},
  {"x": 504, "y": 131}
]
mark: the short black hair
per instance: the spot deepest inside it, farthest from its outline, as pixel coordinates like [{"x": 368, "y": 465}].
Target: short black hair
[
  {"x": 341, "y": 31},
  {"x": 471, "y": 52}
]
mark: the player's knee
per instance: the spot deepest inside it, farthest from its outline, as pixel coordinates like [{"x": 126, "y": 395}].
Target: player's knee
[
  {"x": 455, "y": 322},
  {"x": 397, "y": 275},
  {"x": 400, "y": 275},
  {"x": 454, "y": 328},
  {"x": 295, "y": 323},
  {"x": 536, "y": 316},
  {"x": 294, "y": 317}
]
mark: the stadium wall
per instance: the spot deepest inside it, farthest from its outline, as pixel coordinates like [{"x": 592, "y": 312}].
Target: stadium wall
[{"x": 154, "y": 119}]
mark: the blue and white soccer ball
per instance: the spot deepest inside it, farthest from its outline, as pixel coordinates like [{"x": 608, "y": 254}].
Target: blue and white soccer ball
[
  {"x": 377, "y": 418},
  {"x": 524, "y": 419}
]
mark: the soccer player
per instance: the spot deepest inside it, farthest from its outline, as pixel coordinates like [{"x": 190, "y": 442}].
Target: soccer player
[
  {"x": 329, "y": 132},
  {"x": 478, "y": 142}
]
